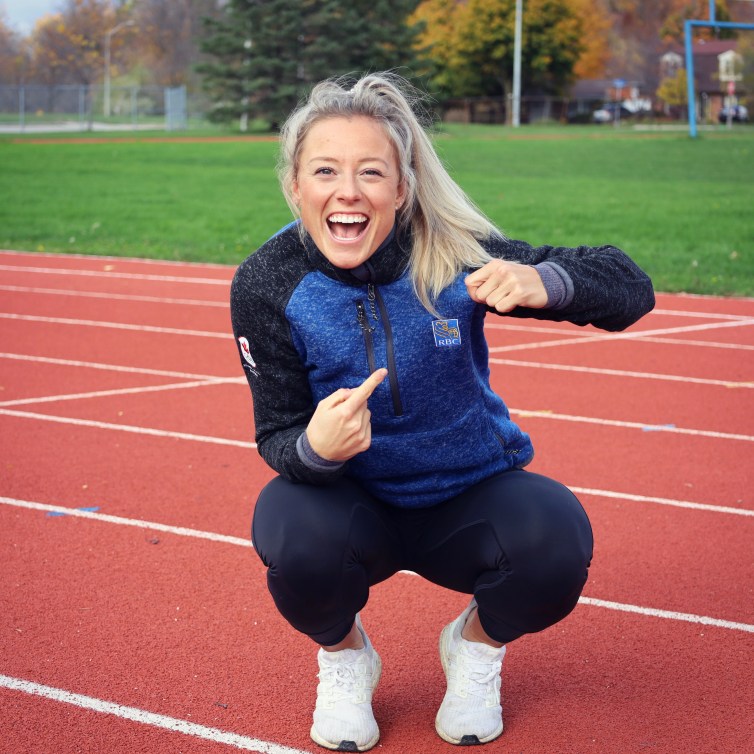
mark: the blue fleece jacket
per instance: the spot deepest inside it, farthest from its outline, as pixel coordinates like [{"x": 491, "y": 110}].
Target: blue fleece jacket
[{"x": 305, "y": 329}]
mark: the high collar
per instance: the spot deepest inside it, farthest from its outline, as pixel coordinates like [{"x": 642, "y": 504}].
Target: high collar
[{"x": 387, "y": 264}]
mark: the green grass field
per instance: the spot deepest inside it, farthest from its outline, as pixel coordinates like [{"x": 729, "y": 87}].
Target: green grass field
[{"x": 682, "y": 208}]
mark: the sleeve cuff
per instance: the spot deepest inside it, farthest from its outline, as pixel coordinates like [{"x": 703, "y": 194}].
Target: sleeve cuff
[
  {"x": 311, "y": 460},
  {"x": 557, "y": 283}
]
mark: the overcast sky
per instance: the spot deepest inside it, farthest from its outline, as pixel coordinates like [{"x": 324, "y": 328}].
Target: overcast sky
[{"x": 22, "y": 14}]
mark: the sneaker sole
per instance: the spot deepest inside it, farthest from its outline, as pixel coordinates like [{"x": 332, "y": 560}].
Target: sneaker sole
[
  {"x": 469, "y": 739},
  {"x": 346, "y": 745}
]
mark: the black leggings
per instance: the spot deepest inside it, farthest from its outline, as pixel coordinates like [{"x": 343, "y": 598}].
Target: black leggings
[{"x": 519, "y": 542}]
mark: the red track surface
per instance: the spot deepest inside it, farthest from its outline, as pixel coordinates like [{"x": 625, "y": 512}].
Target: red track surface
[{"x": 123, "y": 627}]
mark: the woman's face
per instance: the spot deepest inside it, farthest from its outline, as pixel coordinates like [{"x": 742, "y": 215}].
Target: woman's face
[{"x": 348, "y": 188}]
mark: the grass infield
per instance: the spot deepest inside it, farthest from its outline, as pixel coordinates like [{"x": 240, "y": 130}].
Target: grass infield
[{"x": 681, "y": 208}]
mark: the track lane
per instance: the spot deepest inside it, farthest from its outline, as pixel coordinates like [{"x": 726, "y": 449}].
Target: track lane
[
  {"x": 655, "y": 464},
  {"x": 109, "y": 264},
  {"x": 23, "y": 380},
  {"x": 661, "y": 667},
  {"x": 183, "y": 316},
  {"x": 213, "y": 354},
  {"x": 151, "y": 625}
]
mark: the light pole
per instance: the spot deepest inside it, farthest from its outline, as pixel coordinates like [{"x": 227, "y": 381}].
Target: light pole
[
  {"x": 108, "y": 36},
  {"x": 516, "y": 114}
]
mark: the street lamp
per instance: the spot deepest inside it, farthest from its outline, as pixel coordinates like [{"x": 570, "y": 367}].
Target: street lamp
[
  {"x": 108, "y": 36},
  {"x": 516, "y": 114}
]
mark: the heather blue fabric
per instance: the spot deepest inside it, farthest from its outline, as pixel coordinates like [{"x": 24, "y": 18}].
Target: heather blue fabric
[{"x": 454, "y": 430}]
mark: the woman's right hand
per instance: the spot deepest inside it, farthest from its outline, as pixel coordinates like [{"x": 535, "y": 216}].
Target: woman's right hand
[{"x": 341, "y": 425}]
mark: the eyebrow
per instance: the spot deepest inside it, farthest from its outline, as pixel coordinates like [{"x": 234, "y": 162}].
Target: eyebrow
[{"x": 325, "y": 158}]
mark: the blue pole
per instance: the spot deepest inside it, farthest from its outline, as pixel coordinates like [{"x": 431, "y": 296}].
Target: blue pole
[
  {"x": 687, "y": 27},
  {"x": 712, "y": 11},
  {"x": 691, "y": 99}
]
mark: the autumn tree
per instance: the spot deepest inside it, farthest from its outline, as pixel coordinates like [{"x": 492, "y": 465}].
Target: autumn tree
[
  {"x": 595, "y": 38},
  {"x": 745, "y": 49},
  {"x": 641, "y": 30},
  {"x": 69, "y": 47},
  {"x": 470, "y": 45},
  {"x": 13, "y": 55},
  {"x": 673, "y": 91},
  {"x": 265, "y": 55},
  {"x": 169, "y": 33},
  {"x": 672, "y": 29}
]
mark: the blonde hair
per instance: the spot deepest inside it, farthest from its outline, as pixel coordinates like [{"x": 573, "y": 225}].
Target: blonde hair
[{"x": 445, "y": 225}]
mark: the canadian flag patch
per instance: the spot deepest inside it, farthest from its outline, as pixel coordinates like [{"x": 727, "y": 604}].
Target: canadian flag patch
[{"x": 246, "y": 353}]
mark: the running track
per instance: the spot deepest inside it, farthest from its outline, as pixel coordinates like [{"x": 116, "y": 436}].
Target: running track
[{"x": 134, "y": 613}]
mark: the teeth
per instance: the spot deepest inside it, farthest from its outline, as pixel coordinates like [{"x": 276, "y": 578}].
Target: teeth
[{"x": 347, "y": 219}]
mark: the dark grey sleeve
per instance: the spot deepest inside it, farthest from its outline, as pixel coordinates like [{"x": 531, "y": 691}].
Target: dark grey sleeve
[
  {"x": 283, "y": 403},
  {"x": 602, "y": 286}
]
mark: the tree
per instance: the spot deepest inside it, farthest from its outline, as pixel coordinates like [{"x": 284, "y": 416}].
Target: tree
[
  {"x": 470, "y": 45},
  {"x": 69, "y": 47},
  {"x": 673, "y": 89},
  {"x": 265, "y": 55},
  {"x": 673, "y": 27},
  {"x": 13, "y": 55},
  {"x": 745, "y": 49},
  {"x": 168, "y": 40},
  {"x": 595, "y": 24},
  {"x": 643, "y": 29}
]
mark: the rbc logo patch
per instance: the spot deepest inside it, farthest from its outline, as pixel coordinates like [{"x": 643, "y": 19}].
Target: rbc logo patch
[{"x": 446, "y": 332}]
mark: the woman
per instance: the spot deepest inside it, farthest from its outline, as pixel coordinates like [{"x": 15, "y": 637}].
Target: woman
[{"x": 360, "y": 329}]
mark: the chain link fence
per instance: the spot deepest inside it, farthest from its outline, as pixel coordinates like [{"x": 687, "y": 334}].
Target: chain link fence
[{"x": 78, "y": 107}]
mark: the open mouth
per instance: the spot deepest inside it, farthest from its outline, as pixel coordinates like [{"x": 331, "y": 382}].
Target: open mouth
[{"x": 344, "y": 227}]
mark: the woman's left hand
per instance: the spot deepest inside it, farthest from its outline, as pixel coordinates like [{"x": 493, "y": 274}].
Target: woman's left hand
[{"x": 505, "y": 285}]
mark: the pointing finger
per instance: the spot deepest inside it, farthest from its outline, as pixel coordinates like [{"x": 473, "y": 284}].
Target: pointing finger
[{"x": 359, "y": 395}]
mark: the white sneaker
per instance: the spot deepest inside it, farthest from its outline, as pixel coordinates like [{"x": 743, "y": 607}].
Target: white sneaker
[
  {"x": 343, "y": 717},
  {"x": 471, "y": 712}
]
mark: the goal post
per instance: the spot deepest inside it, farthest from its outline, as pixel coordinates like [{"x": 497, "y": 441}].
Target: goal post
[{"x": 688, "y": 28}]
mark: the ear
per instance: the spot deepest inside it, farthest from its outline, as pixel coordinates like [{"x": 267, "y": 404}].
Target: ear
[
  {"x": 400, "y": 197},
  {"x": 295, "y": 192}
]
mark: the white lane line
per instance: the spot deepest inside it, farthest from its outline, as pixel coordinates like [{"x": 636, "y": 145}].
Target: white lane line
[
  {"x": 143, "y": 717},
  {"x": 116, "y": 367},
  {"x": 127, "y": 428},
  {"x": 59, "y": 256},
  {"x": 696, "y": 343},
  {"x": 109, "y": 393},
  {"x": 622, "y": 373},
  {"x": 621, "y": 336},
  {"x": 181, "y": 531},
  {"x": 544, "y": 414},
  {"x": 492, "y": 325},
  {"x": 116, "y": 296},
  {"x": 121, "y": 275},
  {"x": 700, "y": 315},
  {"x": 115, "y": 325},
  {"x": 662, "y": 501},
  {"x": 667, "y": 614},
  {"x": 642, "y": 339}
]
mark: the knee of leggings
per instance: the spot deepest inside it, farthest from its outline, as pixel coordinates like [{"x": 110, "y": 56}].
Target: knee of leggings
[
  {"x": 306, "y": 568},
  {"x": 529, "y": 596}
]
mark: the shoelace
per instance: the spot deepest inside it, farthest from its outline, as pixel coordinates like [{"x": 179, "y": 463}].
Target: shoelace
[
  {"x": 342, "y": 680},
  {"x": 474, "y": 676}
]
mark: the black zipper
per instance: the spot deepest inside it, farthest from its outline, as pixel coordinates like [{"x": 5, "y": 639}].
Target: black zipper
[
  {"x": 374, "y": 300},
  {"x": 361, "y": 316},
  {"x": 392, "y": 372}
]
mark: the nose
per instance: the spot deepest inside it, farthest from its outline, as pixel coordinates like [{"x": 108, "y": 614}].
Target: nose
[{"x": 348, "y": 188}]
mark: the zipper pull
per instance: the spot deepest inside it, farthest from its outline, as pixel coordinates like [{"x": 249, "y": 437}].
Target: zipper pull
[
  {"x": 371, "y": 296},
  {"x": 361, "y": 317}
]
